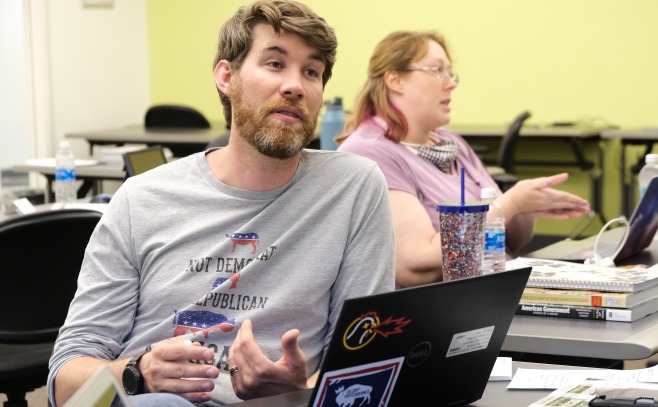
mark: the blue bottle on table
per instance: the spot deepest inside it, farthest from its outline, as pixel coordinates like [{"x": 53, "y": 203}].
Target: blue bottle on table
[{"x": 332, "y": 123}]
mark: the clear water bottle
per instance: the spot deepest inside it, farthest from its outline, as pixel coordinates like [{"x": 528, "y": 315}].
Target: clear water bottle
[
  {"x": 648, "y": 171},
  {"x": 332, "y": 123},
  {"x": 494, "y": 234},
  {"x": 64, "y": 174}
]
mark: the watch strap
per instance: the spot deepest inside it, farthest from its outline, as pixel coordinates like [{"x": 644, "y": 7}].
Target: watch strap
[{"x": 133, "y": 367}]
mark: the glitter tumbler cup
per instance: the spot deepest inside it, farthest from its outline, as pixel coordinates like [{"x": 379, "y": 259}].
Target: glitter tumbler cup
[{"x": 462, "y": 238}]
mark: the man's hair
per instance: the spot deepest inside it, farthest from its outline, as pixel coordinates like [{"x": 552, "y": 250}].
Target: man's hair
[
  {"x": 396, "y": 52},
  {"x": 236, "y": 37}
]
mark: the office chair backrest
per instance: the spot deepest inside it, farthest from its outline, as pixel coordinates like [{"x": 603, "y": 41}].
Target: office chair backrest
[
  {"x": 508, "y": 143},
  {"x": 175, "y": 116},
  {"x": 41, "y": 254}
]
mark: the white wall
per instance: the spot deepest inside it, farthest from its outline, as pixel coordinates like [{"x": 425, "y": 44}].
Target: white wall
[
  {"x": 65, "y": 68},
  {"x": 13, "y": 93},
  {"x": 98, "y": 66}
]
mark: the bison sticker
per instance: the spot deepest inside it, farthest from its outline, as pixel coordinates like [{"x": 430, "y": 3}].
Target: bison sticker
[
  {"x": 346, "y": 397},
  {"x": 368, "y": 385}
]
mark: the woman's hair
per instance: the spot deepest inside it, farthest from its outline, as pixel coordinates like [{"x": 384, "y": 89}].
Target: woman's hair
[
  {"x": 396, "y": 52},
  {"x": 235, "y": 36}
]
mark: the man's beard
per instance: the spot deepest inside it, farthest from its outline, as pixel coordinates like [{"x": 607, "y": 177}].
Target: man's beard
[{"x": 273, "y": 138}]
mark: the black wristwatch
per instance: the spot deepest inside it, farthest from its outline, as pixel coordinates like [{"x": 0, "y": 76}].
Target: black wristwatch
[{"x": 133, "y": 381}]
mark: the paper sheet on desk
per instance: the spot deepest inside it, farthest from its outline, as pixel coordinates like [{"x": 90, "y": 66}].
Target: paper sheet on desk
[
  {"x": 553, "y": 379},
  {"x": 579, "y": 394},
  {"x": 502, "y": 369}
]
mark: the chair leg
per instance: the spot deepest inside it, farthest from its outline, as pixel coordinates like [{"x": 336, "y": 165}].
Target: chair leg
[{"x": 15, "y": 399}]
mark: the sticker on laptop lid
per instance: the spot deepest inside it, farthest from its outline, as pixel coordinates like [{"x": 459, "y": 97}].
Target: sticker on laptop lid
[
  {"x": 470, "y": 341},
  {"x": 371, "y": 384},
  {"x": 367, "y": 326}
]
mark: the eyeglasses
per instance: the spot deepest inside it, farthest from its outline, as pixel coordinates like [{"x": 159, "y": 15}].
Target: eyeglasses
[{"x": 437, "y": 71}]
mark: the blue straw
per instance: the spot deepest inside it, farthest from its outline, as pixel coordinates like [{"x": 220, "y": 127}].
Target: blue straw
[{"x": 462, "y": 175}]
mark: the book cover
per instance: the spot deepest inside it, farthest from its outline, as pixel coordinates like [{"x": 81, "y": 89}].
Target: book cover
[
  {"x": 576, "y": 276},
  {"x": 591, "y": 298},
  {"x": 590, "y": 313}
]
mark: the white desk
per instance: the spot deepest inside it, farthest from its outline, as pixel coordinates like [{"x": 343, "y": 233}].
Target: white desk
[
  {"x": 579, "y": 338},
  {"x": 640, "y": 137},
  {"x": 498, "y": 130},
  {"x": 91, "y": 176},
  {"x": 193, "y": 139},
  {"x": 551, "y": 340}
]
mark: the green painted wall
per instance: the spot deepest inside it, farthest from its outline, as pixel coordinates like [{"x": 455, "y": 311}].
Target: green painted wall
[{"x": 590, "y": 61}]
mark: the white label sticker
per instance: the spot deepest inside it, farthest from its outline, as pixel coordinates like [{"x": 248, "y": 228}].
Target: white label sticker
[{"x": 470, "y": 341}]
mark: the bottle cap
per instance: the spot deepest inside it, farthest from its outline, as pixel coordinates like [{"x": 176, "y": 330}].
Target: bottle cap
[
  {"x": 488, "y": 193},
  {"x": 64, "y": 144},
  {"x": 651, "y": 158}
]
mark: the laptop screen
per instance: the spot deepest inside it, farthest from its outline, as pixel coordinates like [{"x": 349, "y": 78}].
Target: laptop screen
[
  {"x": 137, "y": 162},
  {"x": 643, "y": 223}
]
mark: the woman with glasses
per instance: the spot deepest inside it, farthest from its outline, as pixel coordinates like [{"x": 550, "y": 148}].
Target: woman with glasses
[{"x": 398, "y": 121}]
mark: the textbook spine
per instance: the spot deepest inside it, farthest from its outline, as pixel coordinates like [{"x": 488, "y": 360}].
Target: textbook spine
[
  {"x": 590, "y": 300},
  {"x": 575, "y": 312}
]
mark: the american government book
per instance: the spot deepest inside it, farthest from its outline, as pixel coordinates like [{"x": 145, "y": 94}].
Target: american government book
[
  {"x": 576, "y": 276},
  {"x": 592, "y": 313}
]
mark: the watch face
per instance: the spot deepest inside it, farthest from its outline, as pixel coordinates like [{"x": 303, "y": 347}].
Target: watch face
[{"x": 131, "y": 380}]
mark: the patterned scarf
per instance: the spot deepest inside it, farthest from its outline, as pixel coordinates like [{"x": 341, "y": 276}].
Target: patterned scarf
[{"x": 442, "y": 155}]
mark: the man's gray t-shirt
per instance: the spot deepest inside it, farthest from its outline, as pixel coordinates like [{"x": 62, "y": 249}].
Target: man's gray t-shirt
[{"x": 180, "y": 253}]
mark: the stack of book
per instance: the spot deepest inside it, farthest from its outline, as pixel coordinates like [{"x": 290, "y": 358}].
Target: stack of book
[
  {"x": 572, "y": 290},
  {"x": 114, "y": 155}
]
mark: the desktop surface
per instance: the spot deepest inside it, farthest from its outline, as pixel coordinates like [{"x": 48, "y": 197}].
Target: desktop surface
[
  {"x": 582, "y": 339},
  {"x": 495, "y": 395}
]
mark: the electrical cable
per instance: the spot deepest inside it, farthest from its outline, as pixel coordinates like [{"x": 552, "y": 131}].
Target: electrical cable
[{"x": 597, "y": 260}]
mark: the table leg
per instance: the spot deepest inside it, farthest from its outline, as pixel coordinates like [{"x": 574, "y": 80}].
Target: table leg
[{"x": 50, "y": 192}]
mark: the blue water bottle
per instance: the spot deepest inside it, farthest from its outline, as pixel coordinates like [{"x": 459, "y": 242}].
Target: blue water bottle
[{"x": 332, "y": 123}]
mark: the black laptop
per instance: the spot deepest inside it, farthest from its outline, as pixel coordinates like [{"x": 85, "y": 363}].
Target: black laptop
[
  {"x": 642, "y": 227},
  {"x": 436, "y": 342},
  {"x": 139, "y": 161}
]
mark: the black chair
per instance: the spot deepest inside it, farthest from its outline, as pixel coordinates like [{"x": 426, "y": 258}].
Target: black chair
[
  {"x": 41, "y": 254},
  {"x": 503, "y": 172},
  {"x": 176, "y": 116}
]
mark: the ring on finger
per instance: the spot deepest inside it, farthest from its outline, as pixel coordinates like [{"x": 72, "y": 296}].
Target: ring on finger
[{"x": 233, "y": 370}]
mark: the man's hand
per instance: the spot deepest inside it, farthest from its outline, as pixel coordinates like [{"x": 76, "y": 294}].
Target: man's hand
[
  {"x": 167, "y": 369},
  {"x": 257, "y": 376}
]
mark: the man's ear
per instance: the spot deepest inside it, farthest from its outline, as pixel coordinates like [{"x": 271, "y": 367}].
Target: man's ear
[
  {"x": 393, "y": 81},
  {"x": 222, "y": 75}
]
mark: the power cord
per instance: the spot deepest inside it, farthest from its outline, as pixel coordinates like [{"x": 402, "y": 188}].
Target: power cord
[{"x": 597, "y": 260}]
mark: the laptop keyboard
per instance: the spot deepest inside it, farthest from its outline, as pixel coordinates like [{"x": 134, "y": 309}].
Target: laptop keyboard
[{"x": 608, "y": 244}]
